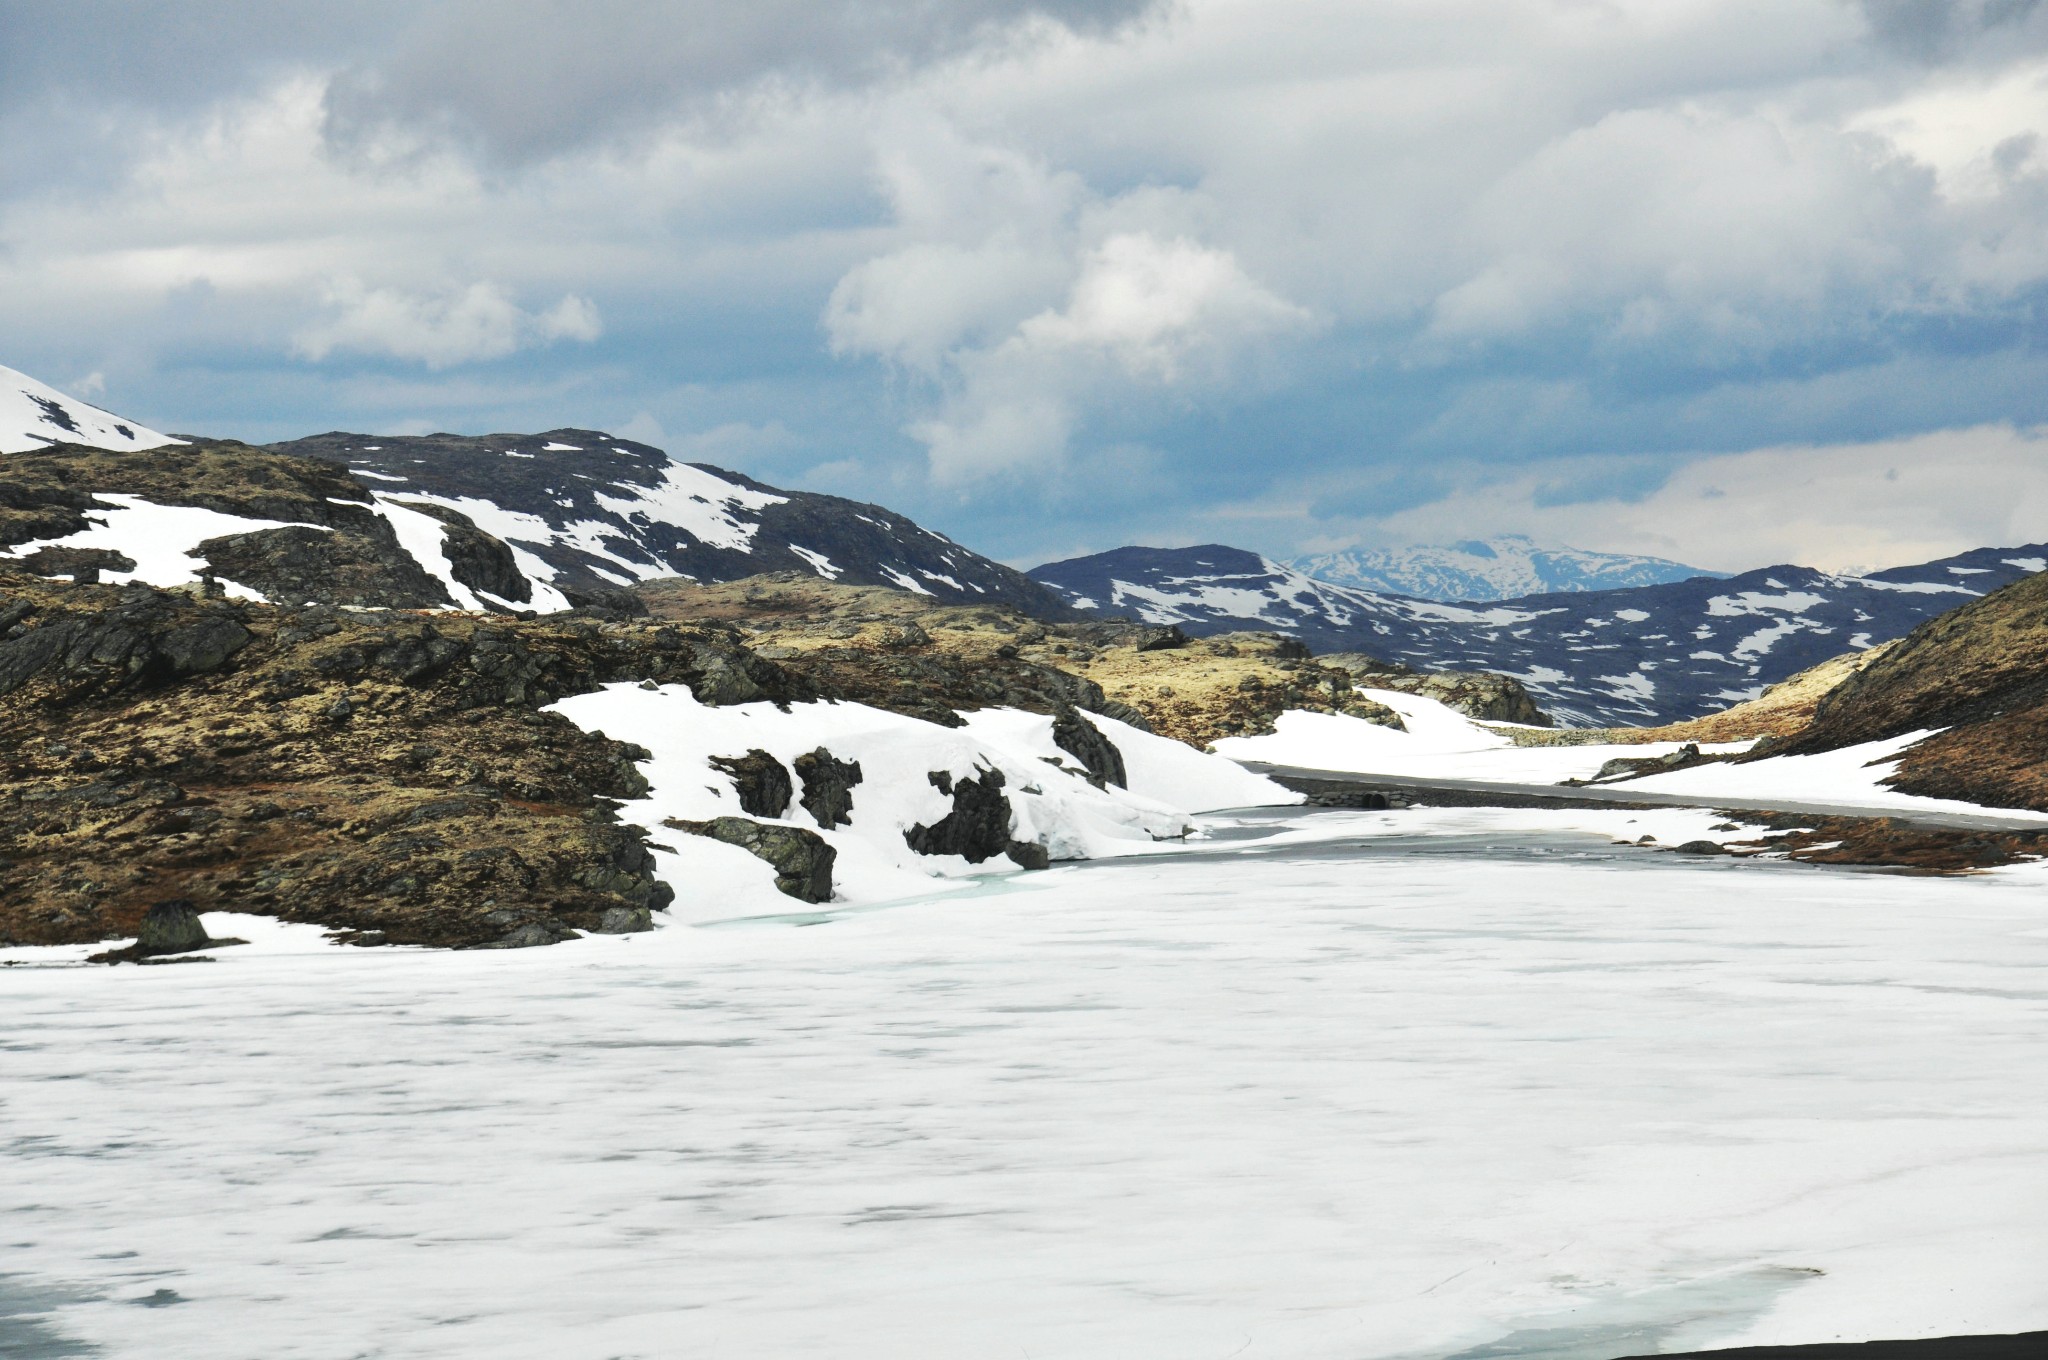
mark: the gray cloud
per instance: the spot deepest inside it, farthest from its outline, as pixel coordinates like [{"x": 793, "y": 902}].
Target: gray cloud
[
  {"x": 1938, "y": 30},
  {"x": 521, "y": 80}
]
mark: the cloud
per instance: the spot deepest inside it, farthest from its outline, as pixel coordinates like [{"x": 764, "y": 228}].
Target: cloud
[
  {"x": 520, "y": 80},
  {"x": 1838, "y": 507},
  {"x": 456, "y": 327}
]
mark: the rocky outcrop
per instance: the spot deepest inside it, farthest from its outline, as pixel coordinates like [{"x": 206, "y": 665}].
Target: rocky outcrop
[
  {"x": 1084, "y": 741},
  {"x": 1476, "y": 694},
  {"x": 761, "y": 781},
  {"x": 978, "y": 827},
  {"x": 1979, "y": 674},
  {"x": 828, "y": 787},
  {"x": 385, "y": 774},
  {"x": 801, "y": 858},
  {"x": 476, "y": 559}
]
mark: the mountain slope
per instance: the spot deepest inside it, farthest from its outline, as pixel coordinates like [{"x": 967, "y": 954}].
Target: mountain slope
[
  {"x": 1495, "y": 569},
  {"x": 589, "y": 513},
  {"x": 33, "y": 416},
  {"x": 1977, "y": 677},
  {"x": 1650, "y": 654}
]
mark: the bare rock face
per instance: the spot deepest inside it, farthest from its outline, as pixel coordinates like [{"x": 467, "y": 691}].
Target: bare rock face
[
  {"x": 828, "y": 787},
  {"x": 761, "y": 780},
  {"x": 801, "y": 858},
  {"x": 1084, "y": 741},
  {"x": 1476, "y": 694},
  {"x": 1161, "y": 639}
]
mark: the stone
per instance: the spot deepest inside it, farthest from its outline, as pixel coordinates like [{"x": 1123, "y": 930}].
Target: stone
[
  {"x": 902, "y": 636},
  {"x": 761, "y": 780},
  {"x": 625, "y": 921},
  {"x": 828, "y": 787},
  {"x": 1700, "y": 848},
  {"x": 171, "y": 928},
  {"x": 1158, "y": 639},
  {"x": 801, "y": 858}
]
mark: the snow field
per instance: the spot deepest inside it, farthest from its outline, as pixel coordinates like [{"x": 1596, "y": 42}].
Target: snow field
[
  {"x": 27, "y": 423},
  {"x": 1377, "y": 1105},
  {"x": 897, "y": 754},
  {"x": 161, "y": 540}
]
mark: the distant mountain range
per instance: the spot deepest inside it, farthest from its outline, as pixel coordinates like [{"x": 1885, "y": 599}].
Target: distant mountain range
[
  {"x": 1492, "y": 569},
  {"x": 1648, "y": 654}
]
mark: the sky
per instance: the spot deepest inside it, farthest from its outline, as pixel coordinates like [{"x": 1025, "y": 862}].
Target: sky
[{"x": 1726, "y": 281}]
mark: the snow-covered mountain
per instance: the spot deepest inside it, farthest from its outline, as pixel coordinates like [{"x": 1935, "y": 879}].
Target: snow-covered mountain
[
  {"x": 1492, "y": 569},
  {"x": 33, "y": 416},
  {"x": 1643, "y": 655},
  {"x": 585, "y": 512}
]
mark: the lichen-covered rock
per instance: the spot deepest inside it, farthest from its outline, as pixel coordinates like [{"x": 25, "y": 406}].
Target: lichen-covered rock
[
  {"x": 475, "y": 558},
  {"x": 801, "y": 858},
  {"x": 762, "y": 782},
  {"x": 828, "y": 786}
]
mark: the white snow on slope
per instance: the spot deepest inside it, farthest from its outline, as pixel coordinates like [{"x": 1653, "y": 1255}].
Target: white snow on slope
[
  {"x": 1380, "y": 1105},
  {"x": 1440, "y": 743},
  {"x": 35, "y": 416},
  {"x": 159, "y": 539},
  {"x": 897, "y": 755},
  {"x": 700, "y": 504}
]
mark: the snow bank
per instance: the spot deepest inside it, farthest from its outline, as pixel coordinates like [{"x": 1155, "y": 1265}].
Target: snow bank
[
  {"x": 1853, "y": 776},
  {"x": 1053, "y": 807},
  {"x": 162, "y": 540},
  {"x": 1440, "y": 743}
]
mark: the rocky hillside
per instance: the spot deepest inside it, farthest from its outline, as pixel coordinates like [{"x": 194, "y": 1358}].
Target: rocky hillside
[
  {"x": 920, "y": 657},
  {"x": 1492, "y": 569},
  {"x": 1978, "y": 678},
  {"x": 585, "y": 513},
  {"x": 33, "y": 416},
  {"x": 1648, "y": 655}
]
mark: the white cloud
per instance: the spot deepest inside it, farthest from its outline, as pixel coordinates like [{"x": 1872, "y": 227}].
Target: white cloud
[
  {"x": 1838, "y": 507},
  {"x": 456, "y": 327}
]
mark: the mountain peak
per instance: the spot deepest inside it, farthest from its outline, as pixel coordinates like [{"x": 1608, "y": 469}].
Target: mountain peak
[
  {"x": 36, "y": 416},
  {"x": 1498, "y": 568}
]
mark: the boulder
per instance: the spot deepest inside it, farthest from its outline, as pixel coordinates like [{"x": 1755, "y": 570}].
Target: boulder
[
  {"x": 828, "y": 787},
  {"x": 801, "y": 858},
  {"x": 171, "y": 928},
  {"x": 762, "y": 782},
  {"x": 1160, "y": 639}
]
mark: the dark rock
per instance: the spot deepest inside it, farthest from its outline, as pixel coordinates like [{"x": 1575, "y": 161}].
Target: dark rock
[
  {"x": 1084, "y": 741},
  {"x": 1700, "y": 848},
  {"x": 171, "y": 928},
  {"x": 82, "y": 565},
  {"x": 1028, "y": 855},
  {"x": 828, "y": 787},
  {"x": 625, "y": 921},
  {"x": 761, "y": 780},
  {"x": 1163, "y": 639},
  {"x": 532, "y": 934},
  {"x": 978, "y": 827},
  {"x": 903, "y": 636},
  {"x": 801, "y": 858},
  {"x": 296, "y": 564},
  {"x": 1631, "y": 767}
]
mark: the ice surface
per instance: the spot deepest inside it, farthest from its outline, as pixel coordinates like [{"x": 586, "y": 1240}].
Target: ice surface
[{"x": 1375, "y": 1087}]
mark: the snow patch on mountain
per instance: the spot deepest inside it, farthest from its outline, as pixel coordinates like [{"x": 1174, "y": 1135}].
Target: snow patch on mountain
[
  {"x": 161, "y": 540},
  {"x": 1490, "y": 569},
  {"x": 35, "y": 416}
]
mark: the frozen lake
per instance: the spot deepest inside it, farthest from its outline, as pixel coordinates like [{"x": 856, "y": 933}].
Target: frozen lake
[{"x": 1342, "y": 1085}]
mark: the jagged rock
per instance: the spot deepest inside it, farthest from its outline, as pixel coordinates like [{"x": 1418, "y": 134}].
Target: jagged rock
[
  {"x": 1084, "y": 741},
  {"x": 761, "y": 781},
  {"x": 1028, "y": 855},
  {"x": 801, "y": 858},
  {"x": 978, "y": 827},
  {"x": 1160, "y": 639},
  {"x": 1476, "y": 694},
  {"x": 148, "y": 638},
  {"x": 828, "y": 787},
  {"x": 297, "y": 565}
]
